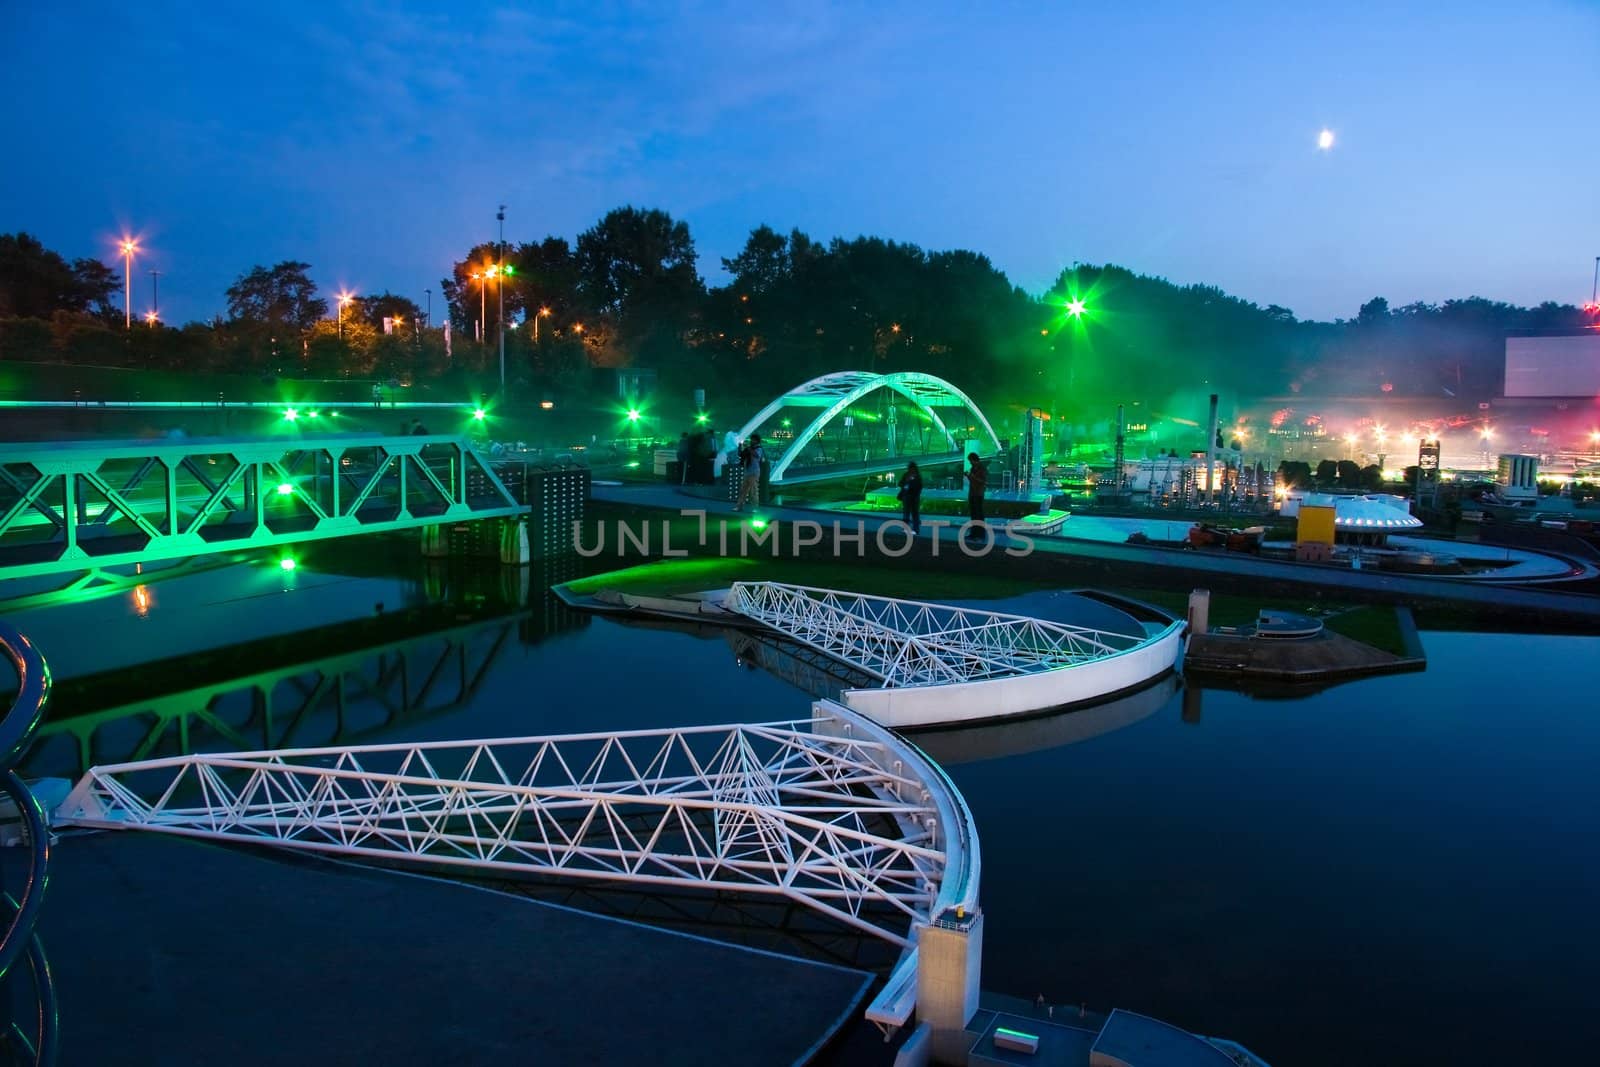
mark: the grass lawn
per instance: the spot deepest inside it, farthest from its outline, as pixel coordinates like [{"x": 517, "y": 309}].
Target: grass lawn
[
  {"x": 1375, "y": 626},
  {"x": 677, "y": 576}
]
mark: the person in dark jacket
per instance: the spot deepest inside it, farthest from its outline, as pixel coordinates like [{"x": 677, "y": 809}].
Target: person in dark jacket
[
  {"x": 911, "y": 497},
  {"x": 977, "y": 482}
]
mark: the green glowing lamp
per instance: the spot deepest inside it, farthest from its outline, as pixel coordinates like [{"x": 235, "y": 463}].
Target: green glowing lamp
[
  {"x": 479, "y": 414},
  {"x": 1075, "y": 308},
  {"x": 759, "y": 524},
  {"x": 313, "y": 414},
  {"x": 701, "y": 418},
  {"x": 287, "y": 563},
  {"x": 508, "y": 269},
  {"x": 284, "y": 488},
  {"x": 290, "y": 415},
  {"x": 633, "y": 414}
]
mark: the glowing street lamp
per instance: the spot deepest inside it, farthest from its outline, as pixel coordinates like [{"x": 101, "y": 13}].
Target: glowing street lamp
[
  {"x": 344, "y": 298},
  {"x": 129, "y": 247},
  {"x": 543, "y": 313},
  {"x": 150, "y": 318},
  {"x": 1075, "y": 308}
]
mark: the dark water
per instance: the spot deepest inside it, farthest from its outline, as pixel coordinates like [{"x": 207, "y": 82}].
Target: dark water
[{"x": 1400, "y": 870}]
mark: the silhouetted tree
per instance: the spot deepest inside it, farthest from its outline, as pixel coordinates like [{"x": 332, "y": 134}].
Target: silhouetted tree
[
  {"x": 282, "y": 298},
  {"x": 36, "y": 282}
]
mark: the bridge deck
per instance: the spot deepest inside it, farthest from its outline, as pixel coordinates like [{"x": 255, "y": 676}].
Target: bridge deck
[{"x": 201, "y": 953}]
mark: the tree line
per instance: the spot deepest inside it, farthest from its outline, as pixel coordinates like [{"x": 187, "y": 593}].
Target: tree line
[{"x": 629, "y": 292}]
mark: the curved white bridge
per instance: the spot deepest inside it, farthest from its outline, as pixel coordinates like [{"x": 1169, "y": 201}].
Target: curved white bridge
[
  {"x": 832, "y": 396},
  {"x": 942, "y": 664},
  {"x": 834, "y": 812}
]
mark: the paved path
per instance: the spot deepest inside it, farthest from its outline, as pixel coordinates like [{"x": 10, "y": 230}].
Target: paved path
[
  {"x": 171, "y": 952},
  {"x": 1198, "y": 565}
]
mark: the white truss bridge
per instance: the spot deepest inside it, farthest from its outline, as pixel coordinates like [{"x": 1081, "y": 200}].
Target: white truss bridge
[
  {"x": 929, "y": 658},
  {"x": 906, "y": 642},
  {"x": 831, "y": 811}
]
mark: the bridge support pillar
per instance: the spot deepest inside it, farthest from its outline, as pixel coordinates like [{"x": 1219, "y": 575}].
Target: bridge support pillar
[{"x": 949, "y": 968}]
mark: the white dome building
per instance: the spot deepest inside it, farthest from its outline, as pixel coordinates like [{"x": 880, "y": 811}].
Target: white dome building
[{"x": 1358, "y": 520}]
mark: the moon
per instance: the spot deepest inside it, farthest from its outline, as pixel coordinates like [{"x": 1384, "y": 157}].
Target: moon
[{"x": 1325, "y": 139}]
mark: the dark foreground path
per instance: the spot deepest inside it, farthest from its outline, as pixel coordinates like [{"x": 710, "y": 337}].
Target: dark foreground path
[{"x": 170, "y": 951}]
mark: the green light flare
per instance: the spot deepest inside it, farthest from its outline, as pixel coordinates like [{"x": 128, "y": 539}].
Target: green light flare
[
  {"x": 701, "y": 418},
  {"x": 287, "y": 563},
  {"x": 290, "y": 415},
  {"x": 633, "y": 414},
  {"x": 479, "y": 414},
  {"x": 284, "y": 489}
]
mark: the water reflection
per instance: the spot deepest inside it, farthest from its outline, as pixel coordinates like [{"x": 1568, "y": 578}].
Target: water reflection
[
  {"x": 969, "y": 744},
  {"x": 352, "y": 683}
]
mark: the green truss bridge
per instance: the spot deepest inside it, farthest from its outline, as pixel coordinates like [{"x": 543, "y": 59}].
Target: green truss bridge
[{"x": 85, "y": 510}]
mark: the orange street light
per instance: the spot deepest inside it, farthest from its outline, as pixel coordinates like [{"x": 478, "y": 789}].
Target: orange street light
[
  {"x": 544, "y": 313},
  {"x": 150, "y": 318}
]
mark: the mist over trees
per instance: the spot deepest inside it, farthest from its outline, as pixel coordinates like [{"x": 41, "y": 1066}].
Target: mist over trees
[{"x": 628, "y": 291}]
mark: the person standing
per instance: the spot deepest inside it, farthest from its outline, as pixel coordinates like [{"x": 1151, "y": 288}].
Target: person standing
[
  {"x": 750, "y": 461},
  {"x": 911, "y": 497},
  {"x": 977, "y": 482}
]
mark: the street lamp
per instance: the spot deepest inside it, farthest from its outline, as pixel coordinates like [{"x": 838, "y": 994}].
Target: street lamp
[
  {"x": 543, "y": 313},
  {"x": 483, "y": 307},
  {"x": 500, "y": 296},
  {"x": 151, "y": 318},
  {"x": 344, "y": 298},
  {"x": 129, "y": 247}
]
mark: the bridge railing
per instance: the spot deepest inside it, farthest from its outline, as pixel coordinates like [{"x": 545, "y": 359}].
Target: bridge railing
[{"x": 19, "y": 939}]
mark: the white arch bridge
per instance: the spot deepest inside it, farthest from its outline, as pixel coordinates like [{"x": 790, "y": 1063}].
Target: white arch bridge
[
  {"x": 844, "y": 434},
  {"x": 834, "y": 812}
]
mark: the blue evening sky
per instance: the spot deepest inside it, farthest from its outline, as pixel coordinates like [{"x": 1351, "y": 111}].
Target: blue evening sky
[{"x": 374, "y": 140}]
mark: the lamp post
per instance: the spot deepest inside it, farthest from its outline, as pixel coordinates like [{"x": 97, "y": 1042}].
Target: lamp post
[
  {"x": 129, "y": 247},
  {"x": 344, "y": 298},
  {"x": 500, "y": 296},
  {"x": 544, "y": 313},
  {"x": 428, "y": 319},
  {"x": 155, "y": 293},
  {"x": 483, "y": 292}
]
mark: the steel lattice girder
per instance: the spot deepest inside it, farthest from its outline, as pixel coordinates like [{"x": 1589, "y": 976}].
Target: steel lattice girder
[
  {"x": 175, "y": 499},
  {"x": 833, "y": 812},
  {"x": 909, "y": 643}
]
